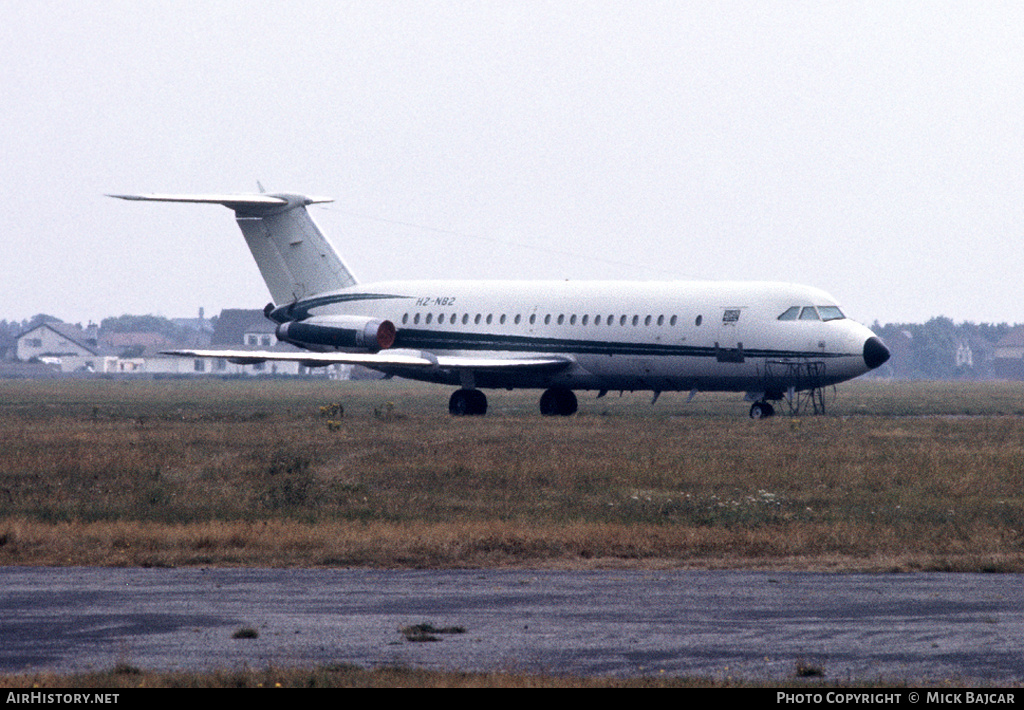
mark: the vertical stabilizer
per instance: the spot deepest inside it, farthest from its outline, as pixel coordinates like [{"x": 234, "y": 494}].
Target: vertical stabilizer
[{"x": 294, "y": 257}]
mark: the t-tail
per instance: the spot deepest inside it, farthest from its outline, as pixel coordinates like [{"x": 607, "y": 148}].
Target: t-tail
[{"x": 293, "y": 255}]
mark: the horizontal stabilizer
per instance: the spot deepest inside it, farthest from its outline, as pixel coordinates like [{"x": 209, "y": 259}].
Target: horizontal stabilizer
[{"x": 235, "y": 202}]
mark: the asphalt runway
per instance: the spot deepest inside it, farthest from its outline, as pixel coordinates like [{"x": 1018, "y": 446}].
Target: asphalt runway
[{"x": 757, "y": 625}]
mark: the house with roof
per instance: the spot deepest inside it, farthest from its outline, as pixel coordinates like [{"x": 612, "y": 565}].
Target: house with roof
[{"x": 71, "y": 347}]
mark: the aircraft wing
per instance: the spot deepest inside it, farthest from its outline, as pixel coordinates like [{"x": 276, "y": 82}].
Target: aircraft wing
[{"x": 396, "y": 359}]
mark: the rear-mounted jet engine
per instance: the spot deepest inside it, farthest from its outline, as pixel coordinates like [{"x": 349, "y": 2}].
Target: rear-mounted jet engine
[{"x": 350, "y": 332}]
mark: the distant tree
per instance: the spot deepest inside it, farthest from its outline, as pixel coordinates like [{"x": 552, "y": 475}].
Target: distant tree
[
  {"x": 40, "y": 318},
  {"x": 929, "y": 350},
  {"x": 141, "y": 324}
]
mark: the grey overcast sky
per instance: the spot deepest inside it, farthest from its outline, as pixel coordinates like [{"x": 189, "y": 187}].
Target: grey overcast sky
[{"x": 872, "y": 149}]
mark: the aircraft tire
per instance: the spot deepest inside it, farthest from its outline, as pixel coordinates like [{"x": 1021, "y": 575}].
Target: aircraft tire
[
  {"x": 558, "y": 401},
  {"x": 466, "y": 402},
  {"x": 761, "y": 410}
]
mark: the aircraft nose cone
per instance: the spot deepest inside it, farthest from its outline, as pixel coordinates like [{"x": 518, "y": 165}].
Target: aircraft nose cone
[{"x": 875, "y": 352}]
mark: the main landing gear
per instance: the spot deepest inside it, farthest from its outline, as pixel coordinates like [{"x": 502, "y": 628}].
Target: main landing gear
[
  {"x": 466, "y": 402},
  {"x": 761, "y": 410},
  {"x": 556, "y": 401}
]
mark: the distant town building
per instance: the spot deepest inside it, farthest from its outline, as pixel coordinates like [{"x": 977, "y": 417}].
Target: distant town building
[
  {"x": 70, "y": 349},
  {"x": 964, "y": 357},
  {"x": 240, "y": 326},
  {"x": 249, "y": 330},
  {"x": 1009, "y": 355}
]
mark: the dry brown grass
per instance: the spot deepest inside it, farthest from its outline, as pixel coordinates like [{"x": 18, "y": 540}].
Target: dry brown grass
[{"x": 256, "y": 473}]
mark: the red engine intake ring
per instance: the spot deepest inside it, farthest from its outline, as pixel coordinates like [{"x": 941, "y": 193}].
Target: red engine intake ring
[{"x": 386, "y": 334}]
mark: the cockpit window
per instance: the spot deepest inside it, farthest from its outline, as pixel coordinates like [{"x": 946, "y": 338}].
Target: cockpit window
[
  {"x": 830, "y": 312},
  {"x": 810, "y": 313}
]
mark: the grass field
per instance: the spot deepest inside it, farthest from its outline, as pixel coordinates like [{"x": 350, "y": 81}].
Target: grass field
[{"x": 898, "y": 476}]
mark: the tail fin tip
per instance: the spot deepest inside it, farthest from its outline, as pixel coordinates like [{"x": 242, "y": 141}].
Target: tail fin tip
[{"x": 294, "y": 257}]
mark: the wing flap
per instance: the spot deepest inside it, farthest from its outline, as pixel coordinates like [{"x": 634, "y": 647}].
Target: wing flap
[
  {"x": 254, "y": 356},
  {"x": 497, "y": 364},
  {"x": 394, "y": 359}
]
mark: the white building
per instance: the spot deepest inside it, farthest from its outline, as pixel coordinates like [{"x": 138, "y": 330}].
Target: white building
[{"x": 71, "y": 347}]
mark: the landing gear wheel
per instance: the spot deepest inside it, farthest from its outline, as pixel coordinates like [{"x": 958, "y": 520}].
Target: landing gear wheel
[
  {"x": 761, "y": 410},
  {"x": 558, "y": 401},
  {"x": 467, "y": 403}
]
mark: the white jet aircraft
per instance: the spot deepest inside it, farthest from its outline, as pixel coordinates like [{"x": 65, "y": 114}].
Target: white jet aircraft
[{"x": 770, "y": 340}]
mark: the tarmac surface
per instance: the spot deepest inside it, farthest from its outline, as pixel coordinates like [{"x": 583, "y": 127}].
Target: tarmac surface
[{"x": 967, "y": 628}]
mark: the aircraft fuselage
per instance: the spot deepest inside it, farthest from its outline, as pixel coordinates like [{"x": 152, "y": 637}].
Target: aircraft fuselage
[{"x": 659, "y": 336}]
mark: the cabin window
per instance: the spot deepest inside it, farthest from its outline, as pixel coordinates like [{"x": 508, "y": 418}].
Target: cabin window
[
  {"x": 476, "y": 320},
  {"x": 647, "y": 320},
  {"x": 416, "y": 319},
  {"x": 791, "y": 313},
  {"x": 465, "y": 318},
  {"x": 572, "y": 319},
  {"x": 808, "y": 313},
  {"x": 622, "y": 320},
  {"x": 405, "y": 318},
  {"x": 518, "y": 318},
  {"x": 636, "y": 321},
  {"x": 731, "y": 315},
  {"x": 547, "y": 319},
  {"x": 830, "y": 313},
  {"x": 597, "y": 320},
  {"x": 661, "y": 320},
  {"x": 584, "y": 320},
  {"x": 440, "y": 318},
  {"x": 700, "y": 319},
  {"x": 502, "y": 319},
  {"x": 533, "y": 318},
  {"x": 672, "y": 321},
  {"x": 561, "y": 319},
  {"x": 490, "y": 317},
  {"x": 430, "y": 317}
]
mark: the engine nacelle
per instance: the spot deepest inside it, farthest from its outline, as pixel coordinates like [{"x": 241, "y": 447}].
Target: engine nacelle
[{"x": 355, "y": 332}]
